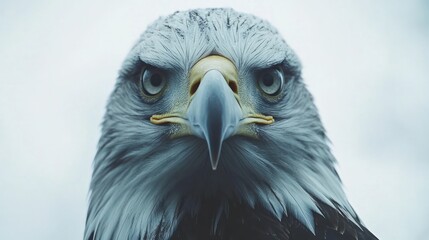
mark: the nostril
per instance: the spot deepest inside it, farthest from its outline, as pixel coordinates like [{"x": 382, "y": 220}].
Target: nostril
[
  {"x": 233, "y": 86},
  {"x": 195, "y": 86}
]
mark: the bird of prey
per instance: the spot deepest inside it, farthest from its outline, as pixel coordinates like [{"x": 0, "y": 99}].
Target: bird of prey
[{"x": 211, "y": 133}]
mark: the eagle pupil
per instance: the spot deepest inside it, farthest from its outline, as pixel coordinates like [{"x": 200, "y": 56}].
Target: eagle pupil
[
  {"x": 268, "y": 80},
  {"x": 156, "y": 80}
]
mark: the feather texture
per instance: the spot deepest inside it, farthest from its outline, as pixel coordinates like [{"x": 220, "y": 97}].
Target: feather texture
[{"x": 282, "y": 185}]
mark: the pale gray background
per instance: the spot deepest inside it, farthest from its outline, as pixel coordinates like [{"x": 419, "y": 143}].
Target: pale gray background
[{"x": 366, "y": 62}]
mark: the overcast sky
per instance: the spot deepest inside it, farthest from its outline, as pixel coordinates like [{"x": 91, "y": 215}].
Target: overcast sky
[{"x": 366, "y": 63}]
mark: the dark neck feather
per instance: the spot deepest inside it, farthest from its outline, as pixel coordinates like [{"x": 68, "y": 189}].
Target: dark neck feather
[{"x": 230, "y": 220}]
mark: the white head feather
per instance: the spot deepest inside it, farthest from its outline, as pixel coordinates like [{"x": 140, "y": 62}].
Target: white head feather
[{"x": 141, "y": 176}]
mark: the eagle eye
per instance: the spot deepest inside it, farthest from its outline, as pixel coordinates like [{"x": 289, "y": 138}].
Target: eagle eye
[
  {"x": 270, "y": 81},
  {"x": 152, "y": 81}
]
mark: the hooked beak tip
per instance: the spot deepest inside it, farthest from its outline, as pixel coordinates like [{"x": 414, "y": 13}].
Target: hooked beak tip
[{"x": 214, "y": 161}]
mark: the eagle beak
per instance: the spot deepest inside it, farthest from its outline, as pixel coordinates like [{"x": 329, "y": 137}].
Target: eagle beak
[{"x": 214, "y": 113}]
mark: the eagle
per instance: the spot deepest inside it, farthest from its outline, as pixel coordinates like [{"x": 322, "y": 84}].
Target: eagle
[{"x": 211, "y": 133}]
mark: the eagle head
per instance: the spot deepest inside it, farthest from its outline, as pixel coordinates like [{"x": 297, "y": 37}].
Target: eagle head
[{"x": 210, "y": 109}]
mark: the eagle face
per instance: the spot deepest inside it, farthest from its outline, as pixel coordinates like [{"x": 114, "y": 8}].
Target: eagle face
[{"x": 209, "y": 106}]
